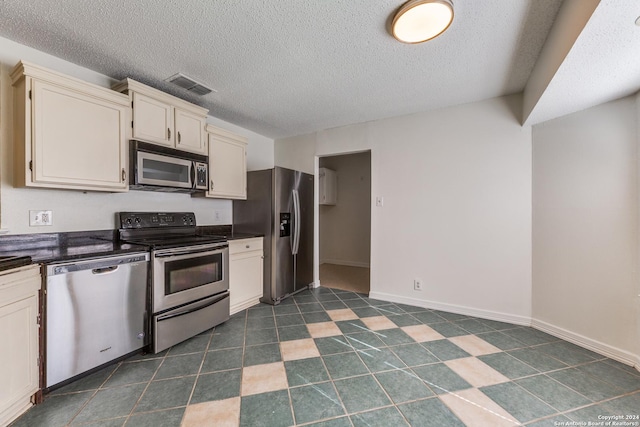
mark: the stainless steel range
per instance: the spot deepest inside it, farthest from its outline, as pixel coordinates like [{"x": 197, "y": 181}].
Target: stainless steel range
[{"x": 189, "y": 274}]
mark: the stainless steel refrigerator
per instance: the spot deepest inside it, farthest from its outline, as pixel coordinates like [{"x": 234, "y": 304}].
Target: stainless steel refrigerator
[{"x": 279, "y": 205}]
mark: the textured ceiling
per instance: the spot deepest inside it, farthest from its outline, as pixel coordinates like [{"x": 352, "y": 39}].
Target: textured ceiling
[{"x": 290, "y": 67}]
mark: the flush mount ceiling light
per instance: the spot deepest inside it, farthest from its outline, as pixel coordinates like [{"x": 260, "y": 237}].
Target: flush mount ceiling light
[{"x": 420, "y": 20}]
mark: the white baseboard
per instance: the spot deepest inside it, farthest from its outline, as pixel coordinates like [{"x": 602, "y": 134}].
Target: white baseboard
[
  {"x": 607, "y": 350},
  {"x": 452, "y": 308},
  {"x": 612, "y": 352},
  {"x": 347, "y": 263},
  {"x": 243, "y": 305}
]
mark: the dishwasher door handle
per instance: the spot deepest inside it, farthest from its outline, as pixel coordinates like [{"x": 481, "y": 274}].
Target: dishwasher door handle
[{"x": 105, "y": 270}]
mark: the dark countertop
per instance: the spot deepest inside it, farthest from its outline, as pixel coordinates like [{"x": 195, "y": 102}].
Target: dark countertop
[
  {"x": 53, "y": 247},
  {"x": 238, "y": 236}
]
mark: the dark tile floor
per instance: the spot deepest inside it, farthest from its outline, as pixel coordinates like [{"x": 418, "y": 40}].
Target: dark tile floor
[{"x": 333, "y": 358}]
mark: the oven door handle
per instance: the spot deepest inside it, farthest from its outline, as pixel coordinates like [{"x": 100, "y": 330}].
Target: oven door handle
[
  {"x": 193, "y": 307},
  {"x": 206, "y": 251}
]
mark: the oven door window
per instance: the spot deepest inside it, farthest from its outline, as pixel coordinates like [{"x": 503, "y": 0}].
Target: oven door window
[{"x": 192, "y": 272}]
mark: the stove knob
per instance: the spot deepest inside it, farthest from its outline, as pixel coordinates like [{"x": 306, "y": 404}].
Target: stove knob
[
  {"x": 138, "y": 220},
  {"x": 128, "y": 221}
]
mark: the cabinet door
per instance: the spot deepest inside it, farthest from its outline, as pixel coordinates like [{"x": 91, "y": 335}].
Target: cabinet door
[
  {"x": 245, "y": 280},
  {"x": 190, "y": 135},
  {"x": 78, "y": 139},
  {"x": 227, "y": 168},
  {"x": 152, "y": 120},
  {"x": 19, "y": 368}
]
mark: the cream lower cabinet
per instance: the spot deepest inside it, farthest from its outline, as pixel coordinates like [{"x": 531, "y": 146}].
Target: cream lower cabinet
[
  {"x": 227, "y": 164},
  {"x": 19, "y": 373},
  {"x": 246, "y": 263},
  {"x": 68, "y": 133}
]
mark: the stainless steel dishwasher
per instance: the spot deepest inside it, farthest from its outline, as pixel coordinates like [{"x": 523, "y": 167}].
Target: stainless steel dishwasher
[{"x": 95, "y": 312}]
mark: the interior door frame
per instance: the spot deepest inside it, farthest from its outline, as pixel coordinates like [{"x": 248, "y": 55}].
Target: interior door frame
[{"x": 316, "y": 213}]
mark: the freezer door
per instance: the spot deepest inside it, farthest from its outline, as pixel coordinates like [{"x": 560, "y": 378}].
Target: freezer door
[
  {"x": 283, "y": 262},
  {"x": 304, "y": 256}
]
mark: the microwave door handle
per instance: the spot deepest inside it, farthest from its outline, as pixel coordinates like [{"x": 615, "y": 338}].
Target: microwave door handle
[{"x": 193, "y": 174}]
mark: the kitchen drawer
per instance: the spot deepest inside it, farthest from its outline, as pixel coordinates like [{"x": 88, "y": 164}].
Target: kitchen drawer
[{"x": 245, "y": 245}]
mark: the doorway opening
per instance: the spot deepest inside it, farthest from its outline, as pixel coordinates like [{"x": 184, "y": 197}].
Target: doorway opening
[{"x": 345, "y": 221}]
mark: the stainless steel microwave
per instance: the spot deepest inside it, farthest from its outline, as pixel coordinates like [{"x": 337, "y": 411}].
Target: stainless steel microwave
[{"x": 157, "y": 168}]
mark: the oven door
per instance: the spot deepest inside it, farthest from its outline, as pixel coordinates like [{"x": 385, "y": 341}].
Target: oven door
[{"x": 183, "y": 275}]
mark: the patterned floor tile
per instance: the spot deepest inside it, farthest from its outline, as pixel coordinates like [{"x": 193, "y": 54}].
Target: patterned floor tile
[
  {"x": 166, "y": 394},
  {"x": 340, "y": 359},
  {"x": 323, "y": 329},
  {"x": 299, "y": 349},
  {"x": 342, "y": 314},
  {"x": 518, "y": 402},
  {"x": 508, "y": 365},
  {"x": 345, "y": 365},
  {"x": 361, "y": 393},
  {"x": 403, "y": 385},
  {"x": 167, "y": 418},
  {"x": 226, "y": 413},
  {"x": 475, "y": 372},
  {"x": 473, "y": 345},
  {"x": 429, "y": 413},
  {"x": 422, "y": 333},
  {"x": 379, "y": 417},
  {"x": 553, "y": 393},
  {"x": 414, "y": 354},
  {"x": 253, "y": 413},
  {"x": 440, "y": 378},
  {"x": 378, "y": 323},
  {"x": 315, "y": 402},
  {"x": 217, "y": 386},
  {"x": 445, "y": 350},
  {"x": 260, "y": 354},
  {"x": 111, "y": 403},
  {"x": 262, "y": 378},
  {"x": 474, "y": 408},
  {"x": 305, "y": 371}
]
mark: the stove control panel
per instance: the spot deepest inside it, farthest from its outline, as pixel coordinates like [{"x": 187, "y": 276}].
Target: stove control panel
[{"x": 130, "y": 220}]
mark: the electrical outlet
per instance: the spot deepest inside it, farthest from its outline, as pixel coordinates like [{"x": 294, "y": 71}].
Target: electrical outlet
[
  {"x": 379, "y": 201},
  {"x": 216, "y": 215},
  {"x": 417, "y": 284},
  {"x": 40, "y": 218}
]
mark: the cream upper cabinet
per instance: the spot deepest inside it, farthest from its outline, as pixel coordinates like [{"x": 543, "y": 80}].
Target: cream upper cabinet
[
  {"x": 246, "y": 273},
  {"x": 227, "y": 164},
  {"x": 163, "y": 119},
  {"x": 68, "y": 133},
  {"x": 19, "y": 373},
  {"x": 190, "y": 131},
  {"x": 152, "y": 120}
]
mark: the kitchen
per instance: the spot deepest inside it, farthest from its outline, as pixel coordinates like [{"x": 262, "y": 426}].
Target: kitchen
[{"x": 458, "y": 252}]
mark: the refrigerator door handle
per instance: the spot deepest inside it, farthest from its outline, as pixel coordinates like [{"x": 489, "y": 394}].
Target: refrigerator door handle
[{"x": 296, "y": 223}]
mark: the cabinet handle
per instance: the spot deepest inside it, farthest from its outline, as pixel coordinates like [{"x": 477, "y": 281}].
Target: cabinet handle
[
  {"x": 124, "y": 175},
  {"x": 178, "y": 136},
  {"x": 168, "y": 134},
  {"x": 212, "y": 184},
  {"x": 247, "y": 246}
]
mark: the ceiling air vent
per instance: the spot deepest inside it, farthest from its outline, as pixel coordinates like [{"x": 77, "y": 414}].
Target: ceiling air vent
[{"x": 189, "y": 84}]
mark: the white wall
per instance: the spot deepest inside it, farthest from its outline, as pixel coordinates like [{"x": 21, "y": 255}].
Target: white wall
[
  {"x": 585, "y": 228},
  {"x": 76, "y": 210},
  {"x": 345, "y": 228},
  {"x": 456, "y": 184}
]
